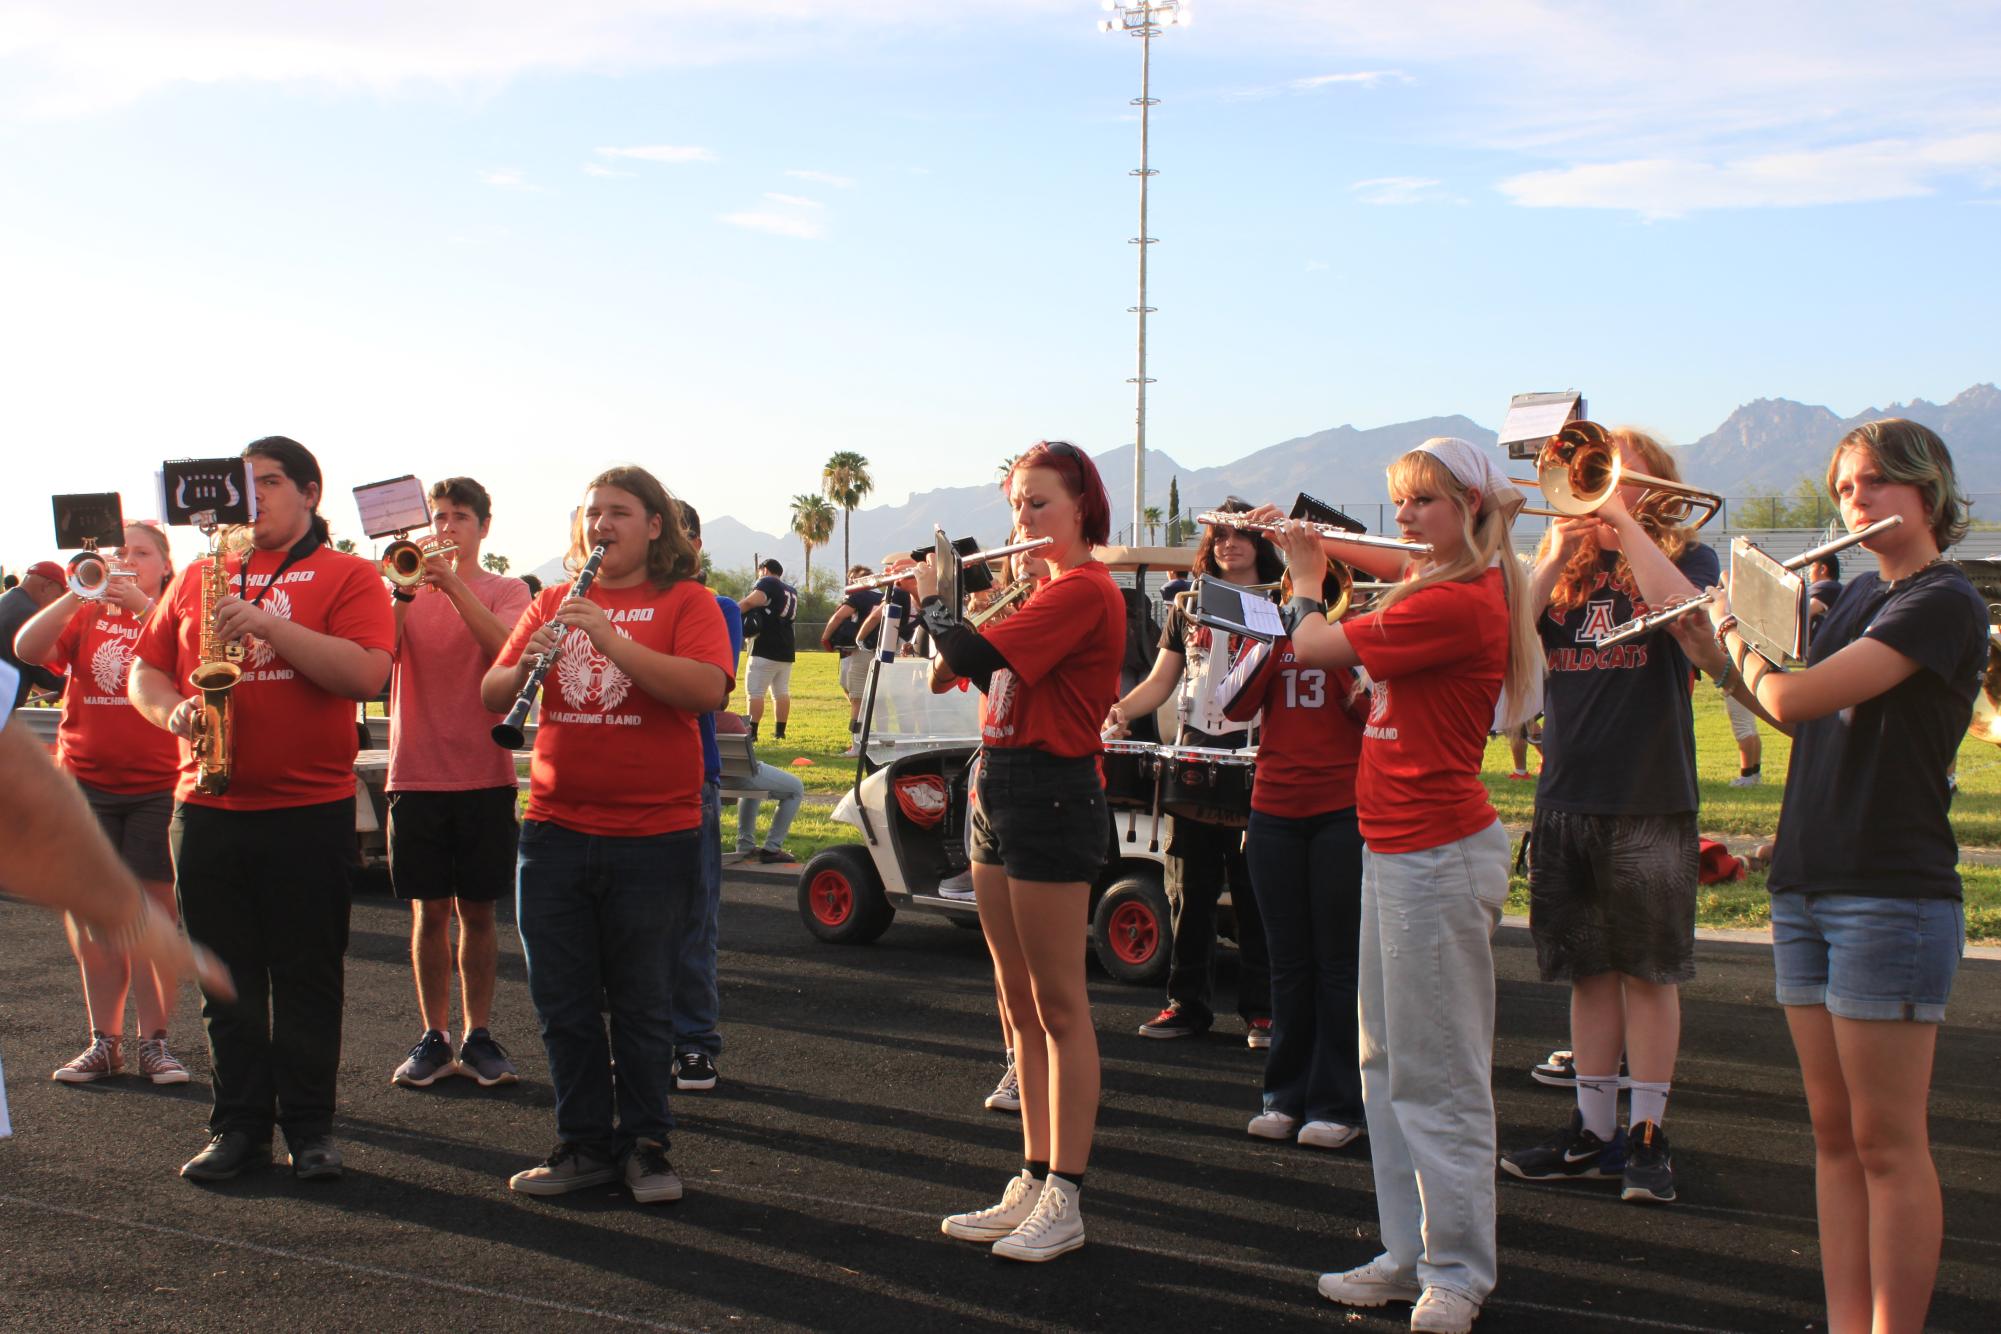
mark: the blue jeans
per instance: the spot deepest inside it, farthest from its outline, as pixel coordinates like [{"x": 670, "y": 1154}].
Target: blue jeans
[
  {"x": 599, "y": 916},
  {"x": 1307, "y": 875},
  {"x": 697, "y": 1001},
  {"x": 789, "y": 791},
  {"x": 1865, "y": 957}
]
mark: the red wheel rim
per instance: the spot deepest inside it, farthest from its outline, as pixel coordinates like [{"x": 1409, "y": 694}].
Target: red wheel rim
[
  {"x": 1133, "y": 933},
  {"x": 832, "y": 897}
]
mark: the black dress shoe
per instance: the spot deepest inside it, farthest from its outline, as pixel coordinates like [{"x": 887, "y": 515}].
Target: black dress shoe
[
  {"x": 227, "y": 1154},
  {"x": 316, "y": 1159}
]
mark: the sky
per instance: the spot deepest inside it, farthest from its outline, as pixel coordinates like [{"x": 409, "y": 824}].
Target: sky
[{"x": 726, "y": 238}]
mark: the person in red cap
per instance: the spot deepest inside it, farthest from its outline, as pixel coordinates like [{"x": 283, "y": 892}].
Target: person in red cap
[{"x": 42, "y": 584}]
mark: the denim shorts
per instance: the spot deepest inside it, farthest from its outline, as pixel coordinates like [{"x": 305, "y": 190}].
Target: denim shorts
[
  {"x": 1865, "y": 957},
  {"x": 1042, "y": 817}
]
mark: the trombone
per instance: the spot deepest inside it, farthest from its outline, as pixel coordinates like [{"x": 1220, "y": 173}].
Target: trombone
[
  {"x": 1578, "y": 469},
  {"x": 403, "y": 560},
  {"x": 1225, "y": 519}
]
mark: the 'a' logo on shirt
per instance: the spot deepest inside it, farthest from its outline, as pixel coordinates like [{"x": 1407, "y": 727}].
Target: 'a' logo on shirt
[{"x": 1598, "y": 622}]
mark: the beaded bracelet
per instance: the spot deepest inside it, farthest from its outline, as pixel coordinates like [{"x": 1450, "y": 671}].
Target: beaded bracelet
[{"x": 1729, "y": 672}]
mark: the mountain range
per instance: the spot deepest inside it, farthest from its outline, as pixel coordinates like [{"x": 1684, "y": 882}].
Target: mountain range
[{"x": 1763, "y": 446}]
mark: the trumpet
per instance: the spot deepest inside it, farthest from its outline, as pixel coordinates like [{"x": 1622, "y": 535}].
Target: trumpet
[
  {"x": 403, "y": 560},
  {"x": 90, "y": 575},
  {"x": 1578, "y": 469},
  {"x": 1224, "y": 519},
  {"x": 1654, "y": 620},
  {"x": 967, "y": 561}
]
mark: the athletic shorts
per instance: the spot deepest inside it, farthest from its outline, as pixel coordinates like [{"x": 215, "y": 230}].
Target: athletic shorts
[
  {"x": 1743, "y": 722},
  {"x": 453, "y": 845},
  {"x": 1614, "y": 894},
  {"x": 136, "y": 824},
  {"x": 1041, "y": 816},
  {"x": 764, "y": 674},
  {"x": 854, "y": 674},
  {"x": 1865, "y": 957}
]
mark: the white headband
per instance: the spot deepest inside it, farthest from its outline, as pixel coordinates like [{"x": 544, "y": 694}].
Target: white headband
[{"x": 1470, "y": 464}]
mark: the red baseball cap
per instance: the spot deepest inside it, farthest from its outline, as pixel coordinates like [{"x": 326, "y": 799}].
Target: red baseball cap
[{"x": 49, "y": 570}]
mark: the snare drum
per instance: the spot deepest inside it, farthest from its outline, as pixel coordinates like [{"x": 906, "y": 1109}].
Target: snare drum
[
  {"x": 1207, "y": 784},
  {"x": 1129, "y": 769}
]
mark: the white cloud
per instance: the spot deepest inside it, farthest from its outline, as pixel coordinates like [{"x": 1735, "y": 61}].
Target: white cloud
[
  {"x": 597, "y": 169},
  {"x": 1402, "y": 190},
  {"x": 827, "y": 178},
  {"x": 794, "y": 201},
  {"x": 506, "y": 178},
  {"x": 777, "y": 224},
  {"x": 660, "y": 153},
  {"x": 1368, "y": 78}
]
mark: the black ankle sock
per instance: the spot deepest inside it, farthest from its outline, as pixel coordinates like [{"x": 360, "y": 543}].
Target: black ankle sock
[
  {"x": 778, "y": 731},
  {"x": 854, "y": 724},
  {"x": 1741, "y": 772},
  {"x": 1074, "y": 1180},
  {"x": 1036, "y": 1170}
]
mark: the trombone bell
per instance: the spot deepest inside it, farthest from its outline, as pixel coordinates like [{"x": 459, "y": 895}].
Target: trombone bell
[{"x": 1579, "y": 469}]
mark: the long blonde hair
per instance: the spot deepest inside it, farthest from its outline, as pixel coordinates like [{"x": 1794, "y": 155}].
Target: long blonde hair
[
  {"x": 1488, "y": 542},
  {"x": 1574, "y": 584}
]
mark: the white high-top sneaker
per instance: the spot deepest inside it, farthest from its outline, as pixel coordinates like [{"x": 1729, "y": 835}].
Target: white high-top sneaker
[
  {"x": 1054, "y": 1228},
  {"x": 996, "y": 1221}
]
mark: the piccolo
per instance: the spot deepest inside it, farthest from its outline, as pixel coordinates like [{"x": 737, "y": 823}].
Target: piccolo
[
  {"x": 507, "y": 732},
  {"x": 1654, "y": 620},
  {"x": 966, "y": 562},
  {"x": 1222, "y": 519}
]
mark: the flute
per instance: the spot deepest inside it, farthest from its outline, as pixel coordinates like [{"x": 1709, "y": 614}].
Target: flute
[
  {"x": 1326, "y": 531},
  {"x": 1654, "y": 620},
  {"x": 966, "y": 561},
  {"x": 507, "y": 732}
]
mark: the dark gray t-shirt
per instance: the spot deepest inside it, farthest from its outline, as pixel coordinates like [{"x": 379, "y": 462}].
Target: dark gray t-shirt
[
  {"x": 1618, "y": 733},
  {"x": 1866, "y": 798},
  {"x": 16, "y": 610}
]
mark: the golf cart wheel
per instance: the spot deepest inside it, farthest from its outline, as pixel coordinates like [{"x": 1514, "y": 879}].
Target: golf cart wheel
[
  {"x": 841, "y": 899},
  {"x": 1131, "y": 930}
]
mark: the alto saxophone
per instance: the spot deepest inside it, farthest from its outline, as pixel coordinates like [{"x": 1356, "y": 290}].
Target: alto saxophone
[{"x": 220, "y": 668}]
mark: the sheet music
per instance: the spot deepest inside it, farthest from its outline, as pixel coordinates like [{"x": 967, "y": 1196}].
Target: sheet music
[
  {"x": 1261, "y": 618},
  {"x": 1537, "y": 417}
]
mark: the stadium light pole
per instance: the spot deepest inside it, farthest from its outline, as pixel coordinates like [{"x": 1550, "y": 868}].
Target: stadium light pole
[{"x": 1143, "y": 19}]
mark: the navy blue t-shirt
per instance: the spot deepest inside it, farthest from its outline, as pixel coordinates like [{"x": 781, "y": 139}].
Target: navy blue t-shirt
[
  {"x": 1618, "y": 732},
  {"x": 846, "y": 635},
  {"x": 1866, "y": 798},
  {"x": 781, "y": 603},
  {"x": 712, "y": 758}
]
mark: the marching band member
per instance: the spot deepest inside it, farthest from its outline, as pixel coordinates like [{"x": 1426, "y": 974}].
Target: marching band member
[
  {"x": 1614, "y": 850},
  {"x": 1041, "y": 833},
  {"x": 1867, "y": 919},
  {"x": 1304, "y": 852},
  {"x": 126, "y": 768},
  {"x": 610, "y": 866},
  {"x": 262, "y": 868},
  {"x": 1440, "y": 649},
  {"x": 1203, "y": 856},
  {"x": 452, "y": 827}
]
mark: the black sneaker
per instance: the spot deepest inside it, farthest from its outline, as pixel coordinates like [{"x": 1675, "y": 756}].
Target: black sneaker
[
  {"x": 315, "y": 1158},
  {"x": 1172, "y": 1022},
  {"x": 486, "y": 1060},
  {"x": 428, "y": 1062},
  {"x": 694, "y": 1070},
  {"x": 776, "y": 857},
  {"x": 1649, "y": 1172},
  {"x": 1572, "y": 1154}
]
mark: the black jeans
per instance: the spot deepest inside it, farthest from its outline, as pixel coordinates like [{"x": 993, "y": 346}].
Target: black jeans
[
  {"x": 1308, "y": 878},
  {"x": 268, "y": 891},
  {"x": 1201, "y": 858}
]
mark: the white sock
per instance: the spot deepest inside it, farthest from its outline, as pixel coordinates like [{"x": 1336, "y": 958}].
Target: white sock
[
  {"x": 1598, "y": 1103},
  {"x": 1649, "y": 1102}
]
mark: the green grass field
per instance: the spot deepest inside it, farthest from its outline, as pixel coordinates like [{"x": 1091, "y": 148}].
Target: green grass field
[{"x": 818, "y": 732}]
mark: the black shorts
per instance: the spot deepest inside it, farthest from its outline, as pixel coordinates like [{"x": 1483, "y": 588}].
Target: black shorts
[
  {"x": 1614, "y": 894},
  {"x": 453, "y": 845},
  {"x": 1041, "y": 816},
  {"x": 136, "y": 824}
]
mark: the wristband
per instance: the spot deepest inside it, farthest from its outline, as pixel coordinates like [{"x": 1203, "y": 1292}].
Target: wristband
[
  {"x": 402, "y": 596},
  {"x": 1306, "y": 606},
  {"x": 1723, "y": 629}
]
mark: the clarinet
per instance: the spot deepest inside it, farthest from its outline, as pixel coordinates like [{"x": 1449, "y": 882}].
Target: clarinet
[{"x": 507, "y": 732}]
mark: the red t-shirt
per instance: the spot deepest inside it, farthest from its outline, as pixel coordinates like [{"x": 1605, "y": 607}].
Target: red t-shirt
[
  {"x": 101, "y": 738},
  {"x": 1063, "y": 649},
  {"x": 438, "y": 729},
  {"x": 1310, "y": 743},
  {"x": 294, "y": 742},
  {"x": 1436, "y": 659},
  {"x": 609, "y": 758}
]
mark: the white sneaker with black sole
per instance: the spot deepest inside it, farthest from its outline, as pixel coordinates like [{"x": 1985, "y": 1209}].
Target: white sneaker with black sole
[
  {"x": 1055, "y": 1228},
  {"x": 694, "y": 1070},
  {"x": 995, "y": 1221}
]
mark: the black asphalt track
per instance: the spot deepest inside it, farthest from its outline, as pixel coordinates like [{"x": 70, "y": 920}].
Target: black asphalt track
[{"x": 849, "y": 1120}]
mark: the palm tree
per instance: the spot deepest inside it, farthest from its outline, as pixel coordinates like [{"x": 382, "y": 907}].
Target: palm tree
[
  {"x": 1150, "y": 516},
  {"x": 845, "y": 481},
  {"x": 1006, "y": 469},
  {"x": 813, "y": 521},
  {"x": 496, "y": 562}
]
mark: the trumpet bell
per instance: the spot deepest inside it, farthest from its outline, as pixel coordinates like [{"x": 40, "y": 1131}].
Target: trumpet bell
[
  {"x": 90, "y": 574},
  {"x": 403, "y": 560}
]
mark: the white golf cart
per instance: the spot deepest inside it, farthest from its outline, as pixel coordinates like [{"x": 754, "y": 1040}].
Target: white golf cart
[{"x": 908, "y": 802}]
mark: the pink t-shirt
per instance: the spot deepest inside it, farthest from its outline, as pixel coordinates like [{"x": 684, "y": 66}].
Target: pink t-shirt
[{"x": 438, "y": 729}]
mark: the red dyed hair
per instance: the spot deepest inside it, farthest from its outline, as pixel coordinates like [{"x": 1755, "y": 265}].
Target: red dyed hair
[{"x": 1080, "y": 479}]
